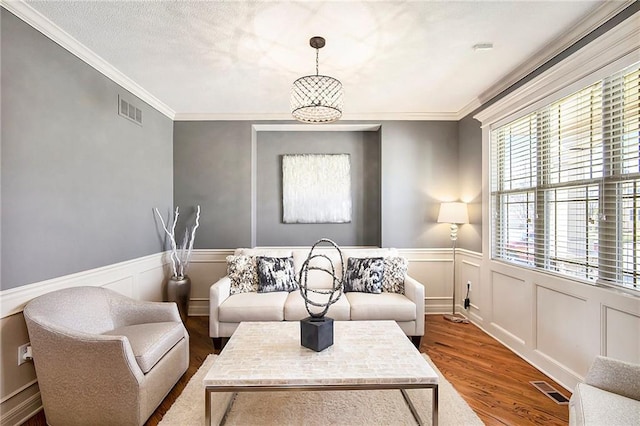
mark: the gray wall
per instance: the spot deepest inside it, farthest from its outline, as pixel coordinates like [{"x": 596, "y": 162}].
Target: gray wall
[
  {"x": 470, "y": 167},
  {"x": 212, "y": 168},
  {"x": 419, "y": 169},
  {"x": 364, "y": 150},
  {"x": 78, "y": 182}
]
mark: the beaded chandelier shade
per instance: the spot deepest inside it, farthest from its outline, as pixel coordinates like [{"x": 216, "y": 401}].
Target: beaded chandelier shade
[{"x": 316, "y": 98}]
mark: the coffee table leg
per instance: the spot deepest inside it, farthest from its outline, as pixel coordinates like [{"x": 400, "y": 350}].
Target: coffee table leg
[
  {"x": 207, "y": 407},
  {"x": 412, "y": 407},
  {"x": 434, "y": 408}
]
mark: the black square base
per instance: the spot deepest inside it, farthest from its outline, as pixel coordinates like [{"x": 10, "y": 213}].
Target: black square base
[{"x": 316, "y": 333}]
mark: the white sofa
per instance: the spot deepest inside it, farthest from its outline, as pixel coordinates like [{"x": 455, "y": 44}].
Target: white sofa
[
  {"x": 610, "y": 395},
  {"x": 227, "y": 311}
]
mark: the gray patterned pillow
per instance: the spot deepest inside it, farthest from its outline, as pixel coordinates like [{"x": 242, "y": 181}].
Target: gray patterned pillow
[
  {"x": 364, "y": 275},
  {"x": 276, "y": 274},
  {"x": 395, "y": 271},
  {"x": 243, "y": 274}
]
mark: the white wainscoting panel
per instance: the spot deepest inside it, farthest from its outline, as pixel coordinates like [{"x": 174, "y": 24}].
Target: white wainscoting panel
[
  {"x": 147, "y": 282},
  {"x": 511, "y": 302},
  {"x": 123, "y": 286},
  {"x": 434, "y": 269},
  {"x": 621, "y": 334},
  {"x": 557, "y": 324},
  {"x": 470, "y": 270},
  {"x": 206, "y": 267},
  {"x": 560, "y": 329},
  {"x": 135, "y": 270}
]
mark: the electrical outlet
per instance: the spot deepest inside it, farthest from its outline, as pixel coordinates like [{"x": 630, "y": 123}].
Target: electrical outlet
[
  {"x": 24, "y": 353},
  {"x": 469, "y": 284}
]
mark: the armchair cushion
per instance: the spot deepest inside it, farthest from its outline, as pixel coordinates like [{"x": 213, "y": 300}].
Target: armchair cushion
[{"x": 150, "y": 342}]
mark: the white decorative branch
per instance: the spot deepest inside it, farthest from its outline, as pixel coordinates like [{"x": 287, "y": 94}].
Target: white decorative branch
[{"x": 181, "y": 255}]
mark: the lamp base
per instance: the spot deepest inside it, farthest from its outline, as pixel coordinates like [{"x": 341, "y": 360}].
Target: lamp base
[{"x": 456, "y": 318}]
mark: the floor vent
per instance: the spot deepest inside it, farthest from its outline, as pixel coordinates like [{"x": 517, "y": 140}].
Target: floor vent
[
  {"x": 129, "y": 111},
  {"x": 551, "y": 392}
]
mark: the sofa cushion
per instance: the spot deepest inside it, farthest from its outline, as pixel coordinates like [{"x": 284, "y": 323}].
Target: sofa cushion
[
  {"x": 295, "y": 310},
  {"x": 253, "y": 307},
  {"x": 150, "y": 342},
  {"x": 384, "y": 306},
  {"x": 364, "y": 275},
  {"x": 592, "y": 406},
  {"x": 276, "y": 274},
  {"x": 395, "y": 271},
  {"x": 243, "y": 273},
  {"x": 317, "y": 278}
]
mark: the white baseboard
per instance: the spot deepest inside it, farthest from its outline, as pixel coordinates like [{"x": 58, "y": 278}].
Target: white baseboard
[{"x": 22, "y": 412}]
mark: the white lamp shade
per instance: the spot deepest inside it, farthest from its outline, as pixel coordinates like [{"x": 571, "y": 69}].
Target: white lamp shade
[{"x": 453, "y": 213}]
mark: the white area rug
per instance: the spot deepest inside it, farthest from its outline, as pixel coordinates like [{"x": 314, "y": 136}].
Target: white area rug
[{"x": 379, "y": 407}]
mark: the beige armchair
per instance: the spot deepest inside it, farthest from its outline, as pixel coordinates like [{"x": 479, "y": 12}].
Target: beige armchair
[
  {"x": 610, "y": 395},
  {"x": 102, "y": 358}
]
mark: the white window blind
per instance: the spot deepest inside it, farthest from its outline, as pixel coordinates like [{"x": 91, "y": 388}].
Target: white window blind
[{"x": 565, "y": 184}]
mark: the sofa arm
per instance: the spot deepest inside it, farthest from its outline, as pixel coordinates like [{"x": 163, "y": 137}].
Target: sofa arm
[
  {"x": 414, "y": 290},
  {"x": 218, "y": 293},
  {"x": 612, "y": 375}
]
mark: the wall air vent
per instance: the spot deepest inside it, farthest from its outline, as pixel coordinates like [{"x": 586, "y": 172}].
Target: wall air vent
[{"x": 129, "y": 111}]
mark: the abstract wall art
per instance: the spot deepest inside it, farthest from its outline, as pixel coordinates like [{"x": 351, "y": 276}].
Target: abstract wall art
[{"x": 316, "y": 188}]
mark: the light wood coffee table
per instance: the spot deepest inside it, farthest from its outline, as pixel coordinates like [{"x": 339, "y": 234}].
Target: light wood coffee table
[{"x": 366, "y": 355}]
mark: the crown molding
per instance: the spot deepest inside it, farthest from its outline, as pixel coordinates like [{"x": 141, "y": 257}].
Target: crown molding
[
  {"x": 569, "y": 37},
  {"x": 610, "y": 52},
  {"x": 468, "y": 109},
  {"x": 331, "y": 127},
  {"x": 38, "y": 21},
  {"x": 352, "y": 116}
]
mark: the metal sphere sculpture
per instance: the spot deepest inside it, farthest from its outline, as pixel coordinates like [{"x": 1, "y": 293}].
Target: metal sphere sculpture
[{"x": 336, "y": 289}]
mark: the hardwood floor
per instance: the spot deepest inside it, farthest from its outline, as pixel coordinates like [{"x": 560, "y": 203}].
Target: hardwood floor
[{"x": 493, "y": 380}]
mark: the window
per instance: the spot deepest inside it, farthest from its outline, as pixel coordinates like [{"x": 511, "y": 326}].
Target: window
[{"x": 565, "y": 184}]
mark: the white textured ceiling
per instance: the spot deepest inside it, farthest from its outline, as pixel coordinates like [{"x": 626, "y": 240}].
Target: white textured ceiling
[{"x": 238, "y": 59}]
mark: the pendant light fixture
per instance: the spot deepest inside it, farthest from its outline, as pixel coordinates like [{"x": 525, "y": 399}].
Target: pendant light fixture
[{"x": 316, "y": 98}]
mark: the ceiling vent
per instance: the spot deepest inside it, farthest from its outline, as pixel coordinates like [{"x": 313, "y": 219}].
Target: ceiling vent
[{"x": 129, "y": 111}]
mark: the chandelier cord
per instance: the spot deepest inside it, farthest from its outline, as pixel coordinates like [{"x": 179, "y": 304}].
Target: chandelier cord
[{"x": 317, "y": 50}]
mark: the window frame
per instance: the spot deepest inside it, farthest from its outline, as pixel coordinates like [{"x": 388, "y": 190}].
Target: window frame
[{"x": 543, "y": 185}]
